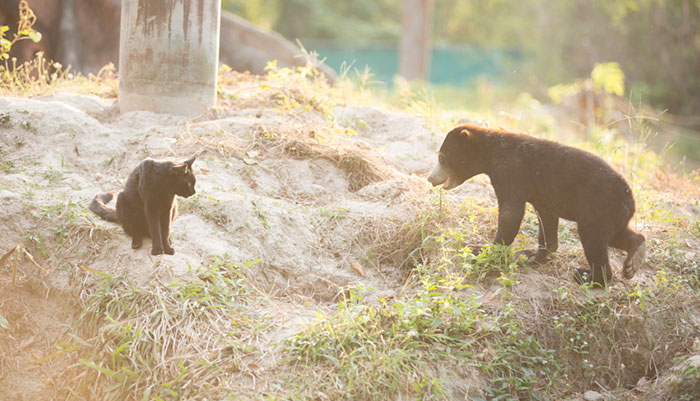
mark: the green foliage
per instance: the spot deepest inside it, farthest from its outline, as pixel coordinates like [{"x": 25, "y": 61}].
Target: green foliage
[
  {"x": 457, "y": 256},
  {"x": 25, "y": 31},
  {"x": 493, "y": 260},
  {"x": 36, "y": 75},
  {"x": 520, "y": 367},
  {"x": 654, "y": 42},
  {"x": 263, "y": 12},
  {"x": 371, "y": 351},
  {"x": 349, "y": 21},
  {"x": 606, "y": 76},
  {"x": 495, "y": 23},
  {"x": 609, "y": 77},
  {"x": 564, "y": 40},
  {"x": 301, "y": 92}
]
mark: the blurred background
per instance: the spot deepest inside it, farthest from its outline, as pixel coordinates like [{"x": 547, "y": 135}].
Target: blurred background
[
  {"x": 648, "y": 51},
  {"x": 530, "y": 43}
]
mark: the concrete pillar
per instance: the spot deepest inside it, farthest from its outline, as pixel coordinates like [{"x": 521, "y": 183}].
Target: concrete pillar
[
  {"x": 415, "y": 44},
  {"x": 169, "y": 55}
]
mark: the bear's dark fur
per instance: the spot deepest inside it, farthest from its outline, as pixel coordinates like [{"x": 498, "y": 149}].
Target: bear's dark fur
[
  {"x": 147, "y": 205},
  {"x": 559, "y": 181}
]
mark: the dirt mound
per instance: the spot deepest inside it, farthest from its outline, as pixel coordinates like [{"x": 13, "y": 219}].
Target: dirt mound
[
  {"x": 319, "y": 214},
  {"x": 315, "y": 261}
]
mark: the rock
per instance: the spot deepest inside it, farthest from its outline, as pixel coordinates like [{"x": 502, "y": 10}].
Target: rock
[
  {"x": 591, "y": 395},
  {"x": 694, "y": 361}
]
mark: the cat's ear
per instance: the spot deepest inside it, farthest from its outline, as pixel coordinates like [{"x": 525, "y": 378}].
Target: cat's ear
[
  {"x": 190, "y": 161},
  {"x": 178, "y": 169}
]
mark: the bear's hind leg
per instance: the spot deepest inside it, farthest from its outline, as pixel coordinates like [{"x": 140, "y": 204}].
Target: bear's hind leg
[
  {"x": 595, "y": 247},
  {"x": 548, "y": 237},
  {"x": 635, "y": 246}
]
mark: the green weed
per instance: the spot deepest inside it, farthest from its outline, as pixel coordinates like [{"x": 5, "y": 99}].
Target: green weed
[
  {"x": 370, "y": 351},
  {"x": 519, "y": 367},
  {"x": 334, "y": 215},
  {"x": 53, "y": 177},
  {"x": 6, "y": 166}
]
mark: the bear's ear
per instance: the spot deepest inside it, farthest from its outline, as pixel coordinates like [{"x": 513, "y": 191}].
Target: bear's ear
[{"x": 465, "y": 133}]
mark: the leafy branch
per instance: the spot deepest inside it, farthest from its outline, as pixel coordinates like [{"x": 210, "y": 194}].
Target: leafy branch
[{"x": 25, "y": 30}]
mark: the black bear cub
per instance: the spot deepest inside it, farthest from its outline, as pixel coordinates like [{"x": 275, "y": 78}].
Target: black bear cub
[
  {"x": 559, "y": 181},
  {"x": 147, "y": 205}
]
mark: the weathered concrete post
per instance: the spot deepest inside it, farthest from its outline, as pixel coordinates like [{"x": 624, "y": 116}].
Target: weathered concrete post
[
  {"x": 169, "y": 55},
  {"x": 415, "y": 44}
]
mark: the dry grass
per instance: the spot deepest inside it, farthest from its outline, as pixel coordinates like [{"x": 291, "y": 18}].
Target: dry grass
[
  {"x": 44, "y": 77},
  {"x": 180, "y": 339}
]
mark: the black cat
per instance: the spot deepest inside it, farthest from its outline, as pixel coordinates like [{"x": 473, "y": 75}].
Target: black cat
[{"x": 147, "y": 205}]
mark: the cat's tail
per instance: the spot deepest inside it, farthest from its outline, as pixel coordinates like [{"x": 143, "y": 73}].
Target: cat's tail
[{"x": 98, "y": 206}]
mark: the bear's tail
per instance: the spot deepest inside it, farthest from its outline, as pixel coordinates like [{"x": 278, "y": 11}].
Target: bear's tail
[{"x": 98, "y": 207}]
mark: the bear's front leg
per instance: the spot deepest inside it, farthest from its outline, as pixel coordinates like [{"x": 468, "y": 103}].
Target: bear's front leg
[{"x": 510, "y": 215}]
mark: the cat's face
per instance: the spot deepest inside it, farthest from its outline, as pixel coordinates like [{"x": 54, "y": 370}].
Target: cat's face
[{"x": 183, "y": 178}]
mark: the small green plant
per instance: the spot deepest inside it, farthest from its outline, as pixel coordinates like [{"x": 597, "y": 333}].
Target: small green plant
[
  {"x": 6, "y": 166},
  {"x": 686, "y": 385},
  {"x": 338, "y": 213},
  {"x": 29, "y": 126},
  {"x": 53, "y": 176},
  {"x": 493, "y": 260}
]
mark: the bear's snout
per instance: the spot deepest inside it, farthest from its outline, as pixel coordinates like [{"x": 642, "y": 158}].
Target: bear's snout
[{"x": 439, "y": 175}]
